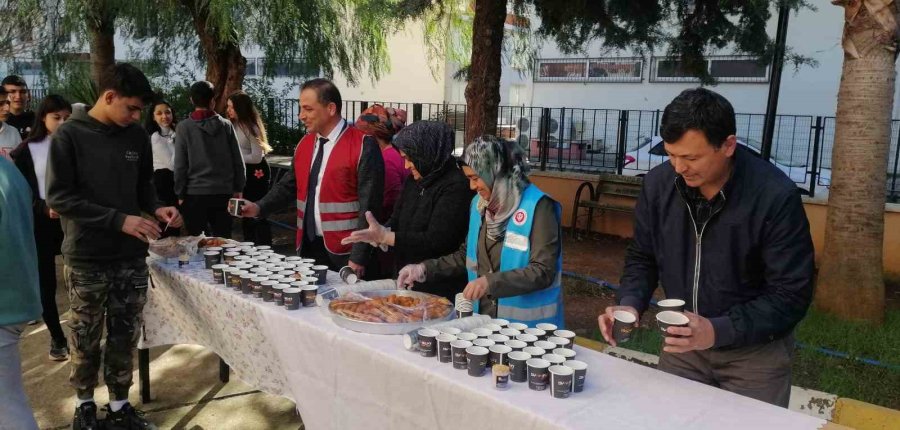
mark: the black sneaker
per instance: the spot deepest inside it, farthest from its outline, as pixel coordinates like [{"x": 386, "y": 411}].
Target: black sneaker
[
  {"x": 59, "y": 351},
  {"x": 86, "y": 417},
  {"x": 127, "y": 418}
]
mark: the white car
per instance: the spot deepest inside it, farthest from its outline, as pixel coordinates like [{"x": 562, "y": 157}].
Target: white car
[{"x": 651, "y": 153}]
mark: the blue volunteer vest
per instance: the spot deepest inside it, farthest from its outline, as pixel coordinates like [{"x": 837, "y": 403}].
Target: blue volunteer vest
[{"x": 542, "y": 306}]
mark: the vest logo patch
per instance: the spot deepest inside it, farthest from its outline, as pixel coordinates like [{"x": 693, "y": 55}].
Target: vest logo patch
[
  {"x": 520, "y": 217},
  {"x": 132, "y": 155},
  {"x": 516, "y": 241}
]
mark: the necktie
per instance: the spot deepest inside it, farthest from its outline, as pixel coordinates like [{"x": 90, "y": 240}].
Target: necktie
[{"x": 309, "y": 214}]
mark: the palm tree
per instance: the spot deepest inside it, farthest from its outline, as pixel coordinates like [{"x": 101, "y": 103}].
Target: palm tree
[{"x": 851, "y": 279}]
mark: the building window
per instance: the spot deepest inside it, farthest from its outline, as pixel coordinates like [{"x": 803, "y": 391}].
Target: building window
[
  {"x": 295, "y": 68},
  {"x": 590, "y": 70},
  {"x": 251, "y": 67},
  {"x": 28, "y": 67},
  {"x": 739, "y": 69}
]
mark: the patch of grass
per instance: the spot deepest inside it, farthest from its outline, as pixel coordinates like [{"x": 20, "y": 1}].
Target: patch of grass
[
  {"x": 857, "y": 339},
  {"x": 846, "y": 378}
]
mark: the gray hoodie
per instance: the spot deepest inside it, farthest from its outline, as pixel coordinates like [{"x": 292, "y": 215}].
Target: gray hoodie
[{"x": 207, "y": 158}]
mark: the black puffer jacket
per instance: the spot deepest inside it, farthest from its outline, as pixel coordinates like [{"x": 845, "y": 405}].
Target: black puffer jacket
[
  {"x": 431, "y": 220},
  {"x": 749, "y": 270}
]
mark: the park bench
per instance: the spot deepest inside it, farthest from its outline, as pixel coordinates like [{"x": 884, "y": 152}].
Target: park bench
[{"x": 602, "y": 197}]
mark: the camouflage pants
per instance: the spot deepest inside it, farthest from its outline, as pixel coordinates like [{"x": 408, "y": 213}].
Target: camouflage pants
[{"x": 114, "y": 293}]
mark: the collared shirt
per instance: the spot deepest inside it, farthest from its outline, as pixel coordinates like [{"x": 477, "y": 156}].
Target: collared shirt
[
  {"x": 9, "y": 139},
  {"x": 332, "y": 137}
]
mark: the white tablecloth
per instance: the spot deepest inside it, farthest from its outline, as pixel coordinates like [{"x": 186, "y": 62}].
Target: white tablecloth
[{"x": 345, "y": 380}]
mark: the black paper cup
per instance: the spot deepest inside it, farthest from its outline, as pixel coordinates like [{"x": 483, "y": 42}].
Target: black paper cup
[
  {"x": 538, "y": 374},
  {"x": 547, "y": 327},
  {"x": 218, "y": 275},
  {"x": 309, "y": 293},
  {"x": 245, "y": 244},
  {"x": 211, "y": 258},
  {"x": 482, "y": 342},
  {"x": 428, "y": 342},
  {"x": 477, "y": 360},
  {"x": 498, "y": 338},
  {"x": 516, "y": 345},
  {"x": 541, "y": 334},
  {"x": 467, "y": 336},
  {"x": 291, "y": 298},
  {"x": 666, "y": 319},
  {"x": 527, "y": 338},
  {"x": 499, "y": 355},
  {"x": 215, "y": 249},
  {"x": 321, "y": 274},
  {"x": 518, "y": 369},
  {"x": 676, "y": 305},
  {"x": 567, "y": 353},
  {"x": 566, "y": 334},
  {"x": 463, "y": 314},
  {"x": 228, "y": 257},
  {"x": 510, "y": 332},
  {"x": 560, "y": 342},
  {"x": 458, "y": 349},
  {"x": 233, "y": 279},
  {"x": 246, "y": 285},
  {"x": 450, "y": 330},
  {"x": 482, "y": 332},
  {"x": 517, "y": 326},
  {"x": 623, "y": 325},
  {"x": 256, "y": 287},
  {"x": 534, "y": 351},
  {"x": 348, "y": 275},
  {"x": 463, "y": 306},
  {"x": 580, "y": 369},
  {"x": 500, "y": 322},
  {"x": 554, "y": 359},
  {"x": 561, "y": 378},
  {"x": 278, "y": 294},
  {"x": 494, "y": 328},
  {"x": 444, "y": 352},
  {"x": 545, "y": 345},
  {"x": 267, "y": 287}
]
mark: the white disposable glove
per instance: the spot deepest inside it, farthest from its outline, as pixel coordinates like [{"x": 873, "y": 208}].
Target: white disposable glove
[{"x": 409, "y": 274}]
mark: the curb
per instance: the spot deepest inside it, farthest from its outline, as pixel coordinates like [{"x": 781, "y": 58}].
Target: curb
[{"x": 839, "y": 411}]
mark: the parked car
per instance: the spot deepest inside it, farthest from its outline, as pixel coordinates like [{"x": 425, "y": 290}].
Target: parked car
[{"x": 651, "y": 153}]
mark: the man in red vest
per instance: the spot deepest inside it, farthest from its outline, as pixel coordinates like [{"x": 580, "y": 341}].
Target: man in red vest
[{"x": 337, "y": 174}]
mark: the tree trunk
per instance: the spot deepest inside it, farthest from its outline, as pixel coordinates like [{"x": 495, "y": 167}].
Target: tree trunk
[
  {"x": 225, "y": 65},
  {"x": 851, "y": 278},
  {"x": 483, "y": 88},
  {"x": 102, "y": 30}
]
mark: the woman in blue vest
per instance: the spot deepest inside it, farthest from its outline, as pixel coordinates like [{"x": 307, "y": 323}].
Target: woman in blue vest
[{"x": 513, "y": 251}]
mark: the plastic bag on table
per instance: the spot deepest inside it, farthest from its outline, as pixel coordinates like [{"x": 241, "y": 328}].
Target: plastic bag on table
[{"x": 174, "y": 247}]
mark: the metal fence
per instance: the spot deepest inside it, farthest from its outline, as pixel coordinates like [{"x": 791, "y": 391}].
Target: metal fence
[{"x": 619, "y": 141}]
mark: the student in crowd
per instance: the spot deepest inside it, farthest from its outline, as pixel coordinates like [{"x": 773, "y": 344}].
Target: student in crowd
[
  {"x": 337, "y": 174},
  {"x": 254, "y": 144},
  {"x": 19, "y": 294},
  {"x": 9, "y": 135},
  {"x": 383, "y": 124},
  {"x": 432, "y": 215},
  {"x": 31, "y": 159},
  {"x": 100, "y": 181},
  {"x": 209, "y": 169},
  {"x": 514, "y": 240},
  {"x": 726, "y": 232},
  {"x": 160, "y": 124},
  {"x": 19, "y": 97}
]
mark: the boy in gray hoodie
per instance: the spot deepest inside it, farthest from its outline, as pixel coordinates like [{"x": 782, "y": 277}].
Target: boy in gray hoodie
[{"x": 209, "y": 168}]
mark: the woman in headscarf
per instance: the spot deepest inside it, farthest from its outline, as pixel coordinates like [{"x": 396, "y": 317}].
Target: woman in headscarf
[
  {"x": 383, "y": 124},
  {"x": 432, "y": 213},
  {"x": 513, "y": 251}
]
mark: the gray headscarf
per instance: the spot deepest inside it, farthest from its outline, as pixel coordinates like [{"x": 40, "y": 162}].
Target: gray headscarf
[
  {"x": 429, "y": 145},
  {"x": 503, "y": 167}
]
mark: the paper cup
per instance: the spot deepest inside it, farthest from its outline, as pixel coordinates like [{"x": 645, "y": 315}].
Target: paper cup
[
  {"x": 450, "y": 330},
  {"x": 234, "y": 279},
  {"x": 500, "y": 373},
  {"x": 477, "y": 359},
  {"x": 511, "y": 332},
  {"x": 427, "y": 342},
  {"x": 291, "y": 298},
  {"x": 567, "y": 353},
  {"x": 541, "y": 334},
  {"x": 321, "y": 273},
  {"x": 527, "y": 338},
  {"x": 255, "y": 285},
  {"x": 554, "y": 359},
  {"x": 218, "y": 275},
  {"x": 228, "y": 257},
  {"x": 463, "y": 306},
  {"x": 458, "y": 348},
  {"x": 211, "y": 258},
  {"x": 623, "y": 325},
  {"x": 566, "y": 334},
  {"x": 467, "y": 336},
  {"x": 235, "y": 206},
  {"x": 534, "y": 351},
  {"x": 516, "y": 345},
  {"x": 267, "y": 287},
  {"x": 517, "y": 326},
  {"x": 676, "y": 305},
  {"x": 482, "y": 332},
  {"x": 546, "y": 345},
  {"x": 580, "y": 369},
  {"x": 547, "y": 327},
  {"x": 278, "y": 293},
  {"x": 308, "y": 295},
  {"x": 482, "y": 342},
  {"x": 246, "y": 285},
  {"x": 560, "y": 342},
  {"x": 518, "y": 370},
  {"x": 494, "y": 328},
  {"x": 499, "y": 354},
  {"x": 444, "y": 352},
  {"x": 348, "y": 275},
  {"x": 500, "y": 322},
  {"x": 498, "y": 338},
  {"x": 666, "y": 319},
  {"x": 561, "y": 378},
  {"x": 538, "y": 373}
]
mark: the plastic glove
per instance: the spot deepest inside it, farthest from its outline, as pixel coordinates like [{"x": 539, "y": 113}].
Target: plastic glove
[{"x": 410, "y": 274}]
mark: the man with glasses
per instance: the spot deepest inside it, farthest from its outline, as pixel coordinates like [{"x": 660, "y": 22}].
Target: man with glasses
[
  {"x": 19, "y": 98},
  {"x": 9, "y": 136}
]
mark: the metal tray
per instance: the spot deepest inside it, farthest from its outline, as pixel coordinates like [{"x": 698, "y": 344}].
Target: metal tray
[{"x": 387, "y": 328}]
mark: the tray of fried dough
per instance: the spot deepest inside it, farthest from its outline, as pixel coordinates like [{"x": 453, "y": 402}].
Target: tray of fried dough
[{"x": 388, "y": 311}]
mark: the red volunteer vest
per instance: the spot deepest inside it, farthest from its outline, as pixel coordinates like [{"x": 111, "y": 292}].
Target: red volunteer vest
[{"x": 338, "y": 198}]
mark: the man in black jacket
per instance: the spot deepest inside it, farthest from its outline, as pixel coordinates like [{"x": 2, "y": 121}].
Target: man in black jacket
[{"x": 726, "y": 232}]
